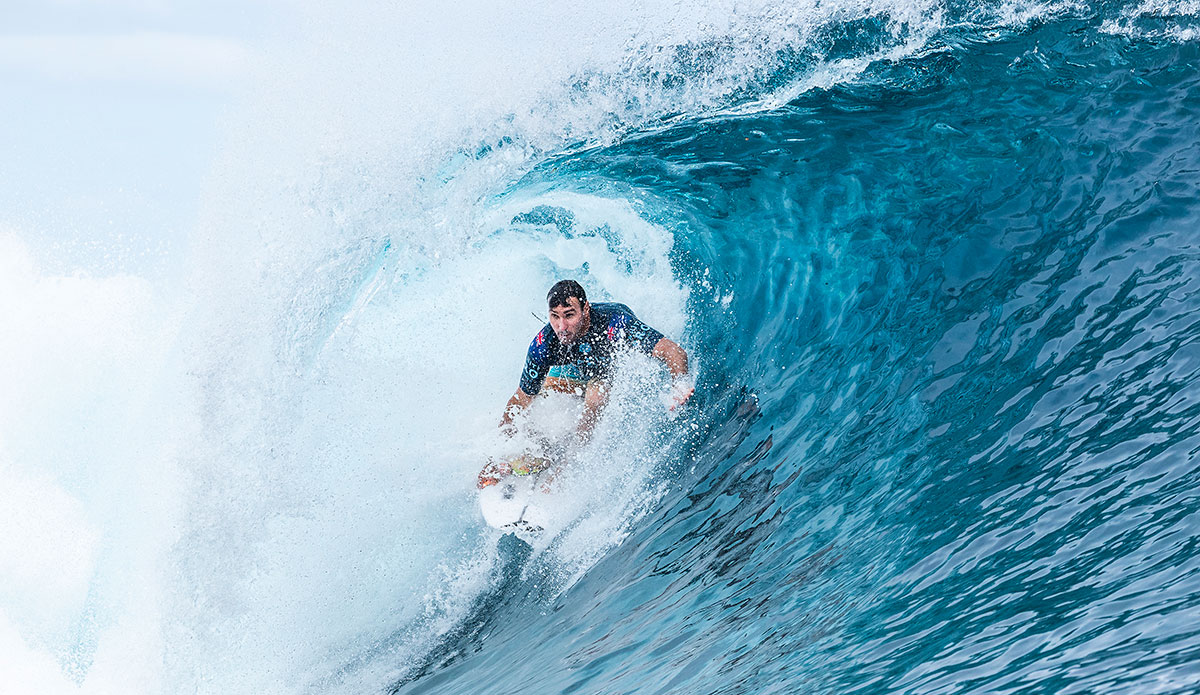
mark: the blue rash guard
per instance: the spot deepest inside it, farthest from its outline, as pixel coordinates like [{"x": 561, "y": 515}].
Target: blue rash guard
[{"x": 612, "y": 326}]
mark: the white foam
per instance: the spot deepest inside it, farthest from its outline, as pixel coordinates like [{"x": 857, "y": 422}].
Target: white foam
[
  {"x": 86, "y": 481},
  {"x": 1178, "y": 20},
  {"x": 345, "y": 427}
]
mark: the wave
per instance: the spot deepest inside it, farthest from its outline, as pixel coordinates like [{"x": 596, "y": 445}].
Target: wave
[{"x": 934, "y": 263}]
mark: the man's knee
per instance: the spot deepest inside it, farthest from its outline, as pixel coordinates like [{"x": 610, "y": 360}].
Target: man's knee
[
  {"x": 563, "y": 385},
  {"x": 596, "y": 394}
]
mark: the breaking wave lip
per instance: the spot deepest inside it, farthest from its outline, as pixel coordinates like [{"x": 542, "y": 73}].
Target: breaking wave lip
[
  {"x": 472, "y": 125},
  {"x": 1173, "y": 20}
]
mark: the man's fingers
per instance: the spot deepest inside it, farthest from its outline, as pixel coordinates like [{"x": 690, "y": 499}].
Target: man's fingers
[{"x": 680, "y": 397}]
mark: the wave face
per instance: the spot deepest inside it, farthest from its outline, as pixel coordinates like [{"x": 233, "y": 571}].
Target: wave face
[
  {"x": 938, "y": 270},
  {"x": 963, "y": 294},
  {"x": 947, "y": 316}
]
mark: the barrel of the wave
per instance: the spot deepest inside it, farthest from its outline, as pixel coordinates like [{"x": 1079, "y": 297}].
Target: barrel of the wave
[{"x": 512, "y": 494}]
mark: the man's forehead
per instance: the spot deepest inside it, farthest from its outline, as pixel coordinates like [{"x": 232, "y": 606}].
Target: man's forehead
[{"x": 572, "y": 305}]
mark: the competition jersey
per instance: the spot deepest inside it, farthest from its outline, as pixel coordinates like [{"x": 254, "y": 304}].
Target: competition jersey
[{"x": 612, "y": 326}]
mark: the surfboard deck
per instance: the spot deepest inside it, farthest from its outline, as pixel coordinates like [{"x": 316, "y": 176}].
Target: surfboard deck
[{"x": 515, "y": 502}]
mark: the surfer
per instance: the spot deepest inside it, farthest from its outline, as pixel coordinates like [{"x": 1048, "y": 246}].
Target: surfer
[{"x": 575, "y": 353}]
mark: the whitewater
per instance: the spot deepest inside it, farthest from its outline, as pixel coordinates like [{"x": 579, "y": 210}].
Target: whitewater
[{"x": 936, "y": 264}]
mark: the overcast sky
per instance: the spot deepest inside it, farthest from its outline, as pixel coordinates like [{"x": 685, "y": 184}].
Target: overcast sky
[{"x": 111, "y": 117}]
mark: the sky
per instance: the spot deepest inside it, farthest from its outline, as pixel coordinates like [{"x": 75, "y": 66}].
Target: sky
[{"x": 113, "y": 113}]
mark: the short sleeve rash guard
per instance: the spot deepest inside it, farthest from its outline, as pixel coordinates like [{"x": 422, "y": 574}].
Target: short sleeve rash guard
[{"x": 612, "y": 326}]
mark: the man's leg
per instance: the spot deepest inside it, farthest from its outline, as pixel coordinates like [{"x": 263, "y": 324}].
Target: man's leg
[
  {"x": 571, "y": 386},
  {"x": 595, "y": 397},
  {"x": 565, "y": 378}
]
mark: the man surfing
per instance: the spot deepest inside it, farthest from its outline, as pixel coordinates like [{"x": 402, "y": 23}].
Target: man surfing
[{"x": 576, "y": 353}]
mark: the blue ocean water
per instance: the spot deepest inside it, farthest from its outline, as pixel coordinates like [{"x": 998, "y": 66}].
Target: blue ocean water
[
  {"x": 937, "y": 268},
  {"x": 948, "y": 415}
]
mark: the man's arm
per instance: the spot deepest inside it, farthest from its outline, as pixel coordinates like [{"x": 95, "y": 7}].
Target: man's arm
[
  {"x": 519, "y": 401},
  {"x": 495, "y": 470},
  {"x": 676, "y": 360},
  {"x": 537, "y": 364},
  {"x": 669, "y": 352}
]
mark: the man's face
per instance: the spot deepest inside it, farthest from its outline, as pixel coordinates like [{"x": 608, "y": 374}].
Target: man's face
[{"x": 570, "y": 321}]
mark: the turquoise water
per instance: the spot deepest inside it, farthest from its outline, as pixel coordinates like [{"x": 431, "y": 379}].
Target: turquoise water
[
  {"x": 937, "y": 268},
  {"x": 949, "y": 416}
]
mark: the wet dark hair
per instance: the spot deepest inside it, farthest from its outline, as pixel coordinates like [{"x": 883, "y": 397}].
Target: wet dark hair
[{"x": 564, "y": 290}]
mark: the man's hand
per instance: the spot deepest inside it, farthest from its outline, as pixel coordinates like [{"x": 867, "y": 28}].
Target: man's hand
[
  {"x": 519, "y": 401},
  {"x": 676, "y": 361},
  {"x": 680, "y": 392}
]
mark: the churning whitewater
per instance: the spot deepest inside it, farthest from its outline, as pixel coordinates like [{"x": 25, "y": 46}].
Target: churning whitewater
[{"x": 936, "y": 265}]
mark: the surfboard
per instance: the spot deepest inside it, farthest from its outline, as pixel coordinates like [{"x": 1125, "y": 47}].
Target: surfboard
[
  {"x": 514, "y": 502},
  {"x": 511, "y": 505}
]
